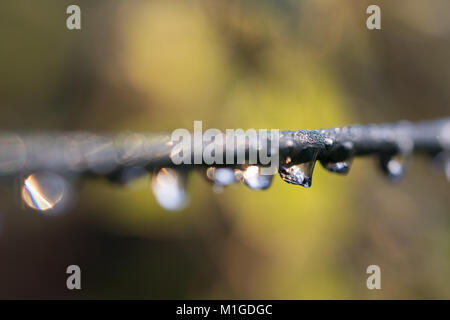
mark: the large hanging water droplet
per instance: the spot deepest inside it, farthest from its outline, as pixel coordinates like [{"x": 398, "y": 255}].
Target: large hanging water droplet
[
  {"x": 253, "y": 178},
  {"x": 168, "y": 186},
  {"x": 393, "y": 166},
  {"x": 299, "y": 174},
  {"x": 44, "y": 191},
  {"x": 340, "y": 167}
]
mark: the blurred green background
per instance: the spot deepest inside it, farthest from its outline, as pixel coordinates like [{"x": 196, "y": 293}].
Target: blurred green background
[{"x": 159, "y": 65}]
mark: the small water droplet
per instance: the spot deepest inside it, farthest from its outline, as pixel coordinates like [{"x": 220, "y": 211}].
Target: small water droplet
[
  {"x": 224, "y": 176},
  {"x": 289, "y": 143},
  {"x": 210, "y": 173},
  {"x": 329, "y": 142},
  {"x": 43, "y": 191},
  {"x": 299, "y": 174},
  {"x": 253, "y": 178},
  {"x": 221, "y": 176},
  {"x": 168, "y": 186},
  {"x": 238, "y": 174},
  {"x": 393, "y": 166},
  {"x": 343, "y": 151},
  {"x": 340, "y": 167}
]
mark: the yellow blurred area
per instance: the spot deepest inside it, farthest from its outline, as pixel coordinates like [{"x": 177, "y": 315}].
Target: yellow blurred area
[
  {"x": 36, "y": 64},
  {"x": 180, "y": 64}
]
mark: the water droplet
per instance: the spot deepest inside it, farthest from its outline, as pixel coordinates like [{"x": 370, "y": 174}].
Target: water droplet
[
  {"x": 341, "y": 167},
  {"x": 238, "y": 174},
  {"x": 328, "y": 142},
  {"x": 224, "y": 176},
  {"x": 210, "y": 173},
  {"x": 393, "y": 166},
  {"x": 44, "y": 191},
  {"x": 299, "y": 174},
  {"x": 289, "y": 143},
  {"x": 168, "y": 186},
  {"x": 344, "y": 151},
  {"x": 253, "y": 178},
  {"x": 221, "y": 176}
]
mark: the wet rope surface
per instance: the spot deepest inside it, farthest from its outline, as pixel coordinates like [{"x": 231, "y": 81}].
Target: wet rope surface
[
  {"x": 82, "y": 152},
  {"x": 45, "y": 164}
]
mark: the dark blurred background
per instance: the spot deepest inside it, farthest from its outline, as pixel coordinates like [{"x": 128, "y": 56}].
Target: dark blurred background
[{"x": 159, "y": 65}]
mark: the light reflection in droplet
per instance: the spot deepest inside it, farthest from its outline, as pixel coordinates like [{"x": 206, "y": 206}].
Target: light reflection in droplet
[
  {"x": 328, "y": 142},
  {"x": 255, "y": 180},
  {"x": 238, "y": 175},
  {"x": 168, "y": 186},
  {"x": 340, "y": 167},
  {"x": 43, "y": 191},
  {"x": 221, "y": 176},
  {"x": 394, "y": 166},
  {"x": 211, "y": 173},
  {"x": 224, "y": 176},
  {"x": 299, "y": 174}
]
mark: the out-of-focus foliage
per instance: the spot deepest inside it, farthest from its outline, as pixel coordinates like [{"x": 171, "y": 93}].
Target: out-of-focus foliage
[{"x": 160, "y": 65}]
